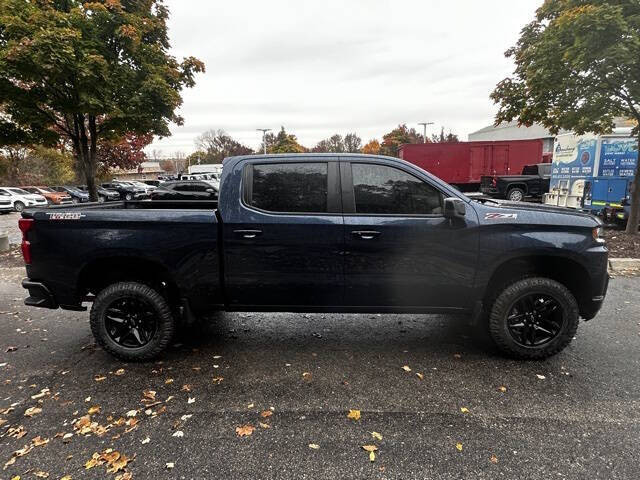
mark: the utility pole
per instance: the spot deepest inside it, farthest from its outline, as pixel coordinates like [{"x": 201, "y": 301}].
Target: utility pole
[
  {"x": 424, "y": 124},
  {"x": 264, "y": 132}
]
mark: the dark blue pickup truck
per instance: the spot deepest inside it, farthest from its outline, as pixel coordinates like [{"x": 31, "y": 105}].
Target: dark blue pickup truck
[{"x": 318, "y": 233}]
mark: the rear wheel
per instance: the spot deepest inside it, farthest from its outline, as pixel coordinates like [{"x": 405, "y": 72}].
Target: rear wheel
[
  {"x": 18, "y": 206},
  {"x": 516, "y": 195},
  {"x": 132, "y": 321},
  {"x": 128, "y": 196},
  {"x": 101, "y": 199},
  {"x": 74, "y": 199},
  {"x": 533, "y": 318}
]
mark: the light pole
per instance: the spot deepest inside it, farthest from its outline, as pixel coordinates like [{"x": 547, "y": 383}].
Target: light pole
[
  {"x": 264, "y": 132},
  {"x": 424, "y": 124}
]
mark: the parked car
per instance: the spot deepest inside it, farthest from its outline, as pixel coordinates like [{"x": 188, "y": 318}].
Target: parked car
[
  {"x": 533, "y": 184},
  {"x": 145, "y": 186},
  {"x": 153, "y": 183},
  {"x": 20, "y": 198},
  {"x": 5, "y": 203},
  {"x": 126, "y": 190},
  {"x": 104, "y": 195},
  {"x": 320, "y": 233},
  {"x": 186, "y": 190},
  {"x": 77, "y": 195},
  {"x": 53, "y": 197}
]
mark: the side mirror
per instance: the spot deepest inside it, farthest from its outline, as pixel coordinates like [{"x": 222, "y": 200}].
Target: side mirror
[{"x": 454, "y": 208}]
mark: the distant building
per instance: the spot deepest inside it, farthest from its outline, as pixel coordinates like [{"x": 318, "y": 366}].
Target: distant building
[
  {"x": 511, "y": 131},
  {"x": 145, "y": 171}
]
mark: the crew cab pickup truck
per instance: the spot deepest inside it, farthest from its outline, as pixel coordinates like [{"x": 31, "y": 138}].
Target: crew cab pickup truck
[
  {"x": 318, "y": 233},
  {"x": 533, "y": 183}
]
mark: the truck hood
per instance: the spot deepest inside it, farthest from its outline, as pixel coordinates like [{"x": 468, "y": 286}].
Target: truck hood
[{"x": 535, "y": 213}]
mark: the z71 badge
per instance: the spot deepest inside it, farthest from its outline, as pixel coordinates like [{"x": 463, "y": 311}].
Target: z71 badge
[
  {"x": 65, "y": 215},
  {"x": 499, "y": 216}
]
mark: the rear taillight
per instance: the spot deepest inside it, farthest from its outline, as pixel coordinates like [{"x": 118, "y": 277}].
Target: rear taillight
[
  {"x": 26, "y": 224},
  {"x": 493, "y": 182}
]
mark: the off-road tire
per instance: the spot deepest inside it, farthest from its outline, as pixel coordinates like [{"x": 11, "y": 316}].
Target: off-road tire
[
  {"x": 518, "y": 192},
  {"x": 165, "y": 321},
  {"x": 503, "y": 303}
]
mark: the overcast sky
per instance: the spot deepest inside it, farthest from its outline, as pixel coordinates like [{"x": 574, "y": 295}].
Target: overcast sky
[{"x": 325, "y": 67}]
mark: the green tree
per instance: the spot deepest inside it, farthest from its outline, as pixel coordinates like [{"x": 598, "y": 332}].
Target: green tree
[
  {"x": 36, "y": 166},
  {"x": 285, "y": 143},
  {"x": 217, "y": 145},
  {"x": 83, "y": 72},
  {"x": 577, "y": 68},
  {"x": 398, "y": 136}
]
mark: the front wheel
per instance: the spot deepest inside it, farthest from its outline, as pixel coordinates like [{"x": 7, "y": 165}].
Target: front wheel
[
  {"x": 533, "y": 318},
  {"x": 101, "y": 199},
  {"x": 132, "y": 321},
  {"x": 74, "y": 200},
  {"x": 128, "y": 196},
  {"x": 18, "y": 206}
]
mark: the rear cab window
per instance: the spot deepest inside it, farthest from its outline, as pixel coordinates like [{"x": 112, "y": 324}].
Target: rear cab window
[{"x": 289, "y": 187}]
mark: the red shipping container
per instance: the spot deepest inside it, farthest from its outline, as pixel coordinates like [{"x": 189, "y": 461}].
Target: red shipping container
[{"x": 463, "y": 163}]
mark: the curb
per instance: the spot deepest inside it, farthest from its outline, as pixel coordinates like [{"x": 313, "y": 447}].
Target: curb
[{"x": 624, "y": 265}]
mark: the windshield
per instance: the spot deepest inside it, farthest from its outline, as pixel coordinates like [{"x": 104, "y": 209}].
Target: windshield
[
  {"x": 45, "y": 189},
  {"x": 19, "y": 191}
]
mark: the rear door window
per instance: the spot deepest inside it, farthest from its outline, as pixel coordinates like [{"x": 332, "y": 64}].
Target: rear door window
[
  {"x": 384, "y": 190},
  {"x": 289, "y": 187}
]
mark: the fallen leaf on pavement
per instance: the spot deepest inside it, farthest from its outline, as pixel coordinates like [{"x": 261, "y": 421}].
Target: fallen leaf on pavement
[
  {"x": 41, "y": 474},
  {"x": 493, "y": 459},
  {"x": 502, "y": 388},
  {"x": 170, "y": 465},
  {"x": 93, "y": 410},
  {"x": 178, "y": 433},
  {"x": 146, "y": 440},
  {"x": 66, "y": 477},
  {"x": 11, "y": 349},
  {"x": 420, "y": 376},
  {"x": 459, "y": 446},
  {"x": 464, "y": 409},
  {"x": 217, "y": 380},
  {"x": 376, "y": 435},
  {"x": 264, "y": 425},
  {"x": 39, "y": 441},
  {"x": 369, "y": 448},
  {"x": 168, "y": 381},
  {"x": 31, "y": 411},
  {"x": 314, "y": 446},
  {"x": 245, "y": 430},
  {"x": 119, "y": 372},
  {"x": 132, "y": 413},
  {"x": 125, "y": 476},
  {"x": 354, "y": 414},
  {"x": 99, "y": 378},
  {"x": 266, "y": 413},
  {"x": 186, "y": 388},
  {"x": 540, "y": 377},
  {"x": 457, "y": 355},
  {"x": 191, "y": 400},
  {"x": 406, "y": 368},
  {"x": 44, "y": 392}
]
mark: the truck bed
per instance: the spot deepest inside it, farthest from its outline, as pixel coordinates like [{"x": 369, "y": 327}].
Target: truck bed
[{"x": 77, "y": 244}]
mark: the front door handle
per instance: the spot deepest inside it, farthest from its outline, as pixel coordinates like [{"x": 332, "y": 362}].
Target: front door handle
[
  {"x": 248, "y": 233},
  {"x": 365, "y": 234}
]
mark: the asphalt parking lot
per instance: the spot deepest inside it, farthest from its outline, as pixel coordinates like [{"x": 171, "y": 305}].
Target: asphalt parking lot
[
  {"x": 9, "y": 224},
  {"x": 287, "y": 383}
]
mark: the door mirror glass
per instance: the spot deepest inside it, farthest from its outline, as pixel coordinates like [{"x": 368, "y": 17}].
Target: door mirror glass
[{"x": 454, "y": 208}]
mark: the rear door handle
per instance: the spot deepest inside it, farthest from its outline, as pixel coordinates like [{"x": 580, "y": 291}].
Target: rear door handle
[
  {"x": 248, "y": 233},
  {"x": 365, "y": 234}
]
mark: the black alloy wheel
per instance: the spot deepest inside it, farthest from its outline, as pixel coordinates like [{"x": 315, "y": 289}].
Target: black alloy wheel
[
  {"x": 535, "y": 319},
  {"x": 130, "y": 322}
]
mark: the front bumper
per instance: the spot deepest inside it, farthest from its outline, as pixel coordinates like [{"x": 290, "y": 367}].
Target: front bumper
[{"x": 39, "y": 295}]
